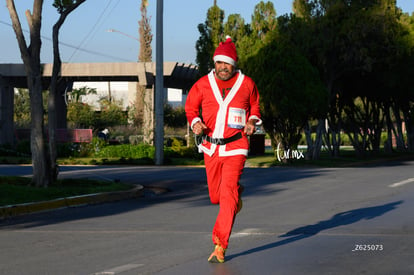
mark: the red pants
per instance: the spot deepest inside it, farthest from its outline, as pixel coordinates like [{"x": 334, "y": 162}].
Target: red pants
[{"x": 223, "y": 174}]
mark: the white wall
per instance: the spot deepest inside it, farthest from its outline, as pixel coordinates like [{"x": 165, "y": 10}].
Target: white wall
[
  {"x": 119, "y": 92},
  {"x": 123, "y": 92}
]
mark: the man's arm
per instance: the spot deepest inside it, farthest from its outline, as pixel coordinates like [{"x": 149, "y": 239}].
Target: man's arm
[
  {"x": 254, "y": 118},
  {"x": 192, "y": 108}
]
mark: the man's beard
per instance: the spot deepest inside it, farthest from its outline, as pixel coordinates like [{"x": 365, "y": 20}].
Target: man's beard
[{"x": 230, "y": 75}]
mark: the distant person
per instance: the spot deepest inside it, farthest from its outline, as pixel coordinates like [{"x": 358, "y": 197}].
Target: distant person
[
  {"x": 229, "y": 104},
  {"x": 104, "y": 134}
]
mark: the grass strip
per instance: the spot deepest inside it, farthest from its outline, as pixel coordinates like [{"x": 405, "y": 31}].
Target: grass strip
[{"x": 17, "y": 190}]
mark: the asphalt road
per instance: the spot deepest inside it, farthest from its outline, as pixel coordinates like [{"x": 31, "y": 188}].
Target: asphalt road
[{"x": 355, "y": 220}]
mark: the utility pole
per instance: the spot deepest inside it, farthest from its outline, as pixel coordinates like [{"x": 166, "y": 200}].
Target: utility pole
[{"x": 159, "y": 87}]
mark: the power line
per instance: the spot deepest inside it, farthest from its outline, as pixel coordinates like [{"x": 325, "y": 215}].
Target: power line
[
  {"x": 107, "y": 16},
  {"x": 75, "y": 47},
  {"x": 89, "y": 35}
]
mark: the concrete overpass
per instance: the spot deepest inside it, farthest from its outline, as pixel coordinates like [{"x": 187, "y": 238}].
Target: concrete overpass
[{"x": 176, "y": 75}]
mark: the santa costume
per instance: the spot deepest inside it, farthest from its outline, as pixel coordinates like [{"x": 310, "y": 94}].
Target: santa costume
[{"x": 225, "y": 107}]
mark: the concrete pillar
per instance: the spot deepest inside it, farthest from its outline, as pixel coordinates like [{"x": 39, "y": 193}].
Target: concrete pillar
[
  {"x": 145, "y": 100},
  {"x": 148, "y": 114},
  {"x": 61, "y": 114},
  {"x": 6, "y": 112}
]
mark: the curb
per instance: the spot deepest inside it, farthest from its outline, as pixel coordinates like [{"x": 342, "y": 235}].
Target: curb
[{"x": 89, "y": 199}]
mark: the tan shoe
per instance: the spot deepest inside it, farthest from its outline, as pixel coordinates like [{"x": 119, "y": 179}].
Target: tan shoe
[{"x": 218, "y": 255}]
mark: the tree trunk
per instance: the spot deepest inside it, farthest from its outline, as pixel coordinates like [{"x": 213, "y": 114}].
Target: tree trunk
[
  {"x": 336, "y": 143},
  {"x": 309, "y": 141},
  {"x": 139, "y": 106},
  {"x": 6, "y": 113},
  {"x": 31, "y": 59},
  {"x": 388, "y": 142},
  {"x": 53, "y": 91},
  {"x": 37, "y": 137},
  {"x": 320, "y": 130},
  {"x": 148, "y": 119},
  {"x": 399, "y": 136},
  {"x": 409, "y": 126}
]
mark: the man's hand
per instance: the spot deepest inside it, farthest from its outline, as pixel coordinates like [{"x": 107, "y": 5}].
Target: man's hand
[
  {"x": 199, "y": 128},
  {"x": 250, "y": 127}
]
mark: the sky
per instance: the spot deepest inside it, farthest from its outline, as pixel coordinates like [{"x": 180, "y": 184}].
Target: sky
[{"x": 85, "y": 35}]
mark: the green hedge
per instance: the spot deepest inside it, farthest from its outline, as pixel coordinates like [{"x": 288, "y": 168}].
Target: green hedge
[{"x": 126, "y": 151}]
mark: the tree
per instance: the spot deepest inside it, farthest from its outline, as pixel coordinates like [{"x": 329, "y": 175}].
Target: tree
[
  {"x": 264, "y": 22},
  {"x": 300, "y": 33},
  {"x": 81, "y": 115},
  {"x": 174, "y": 117},
  {"x": 143, "y": 108},
  {"x": 64, "y": 8},
  {"x": 21, "y": 116},
  {"x": 303, "y": 9},
  {"x": 77, "y": 94},
  {"x": 145, "y": 35},
  {"x": 111, "y": 114},
  {"x": 249, "y": 38},
  {"x": 290, "y": 89},
  {"x": 370, "y": 52},
  {"x": 211, "y": 33},
  {"x": 398, "y": 106},
  {"x": 241, "y": 34},
  {"x": 22, "y": 108},
  {"x": 31, "y": 59},
  {"x": 353, "y": 45},
  {"x": 235, "y": 27}
]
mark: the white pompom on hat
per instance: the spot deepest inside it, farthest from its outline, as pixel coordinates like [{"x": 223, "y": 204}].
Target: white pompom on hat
[{"x": 226, "y": 52}]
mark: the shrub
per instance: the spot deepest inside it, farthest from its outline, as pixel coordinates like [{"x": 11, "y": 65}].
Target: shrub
[
  {"x": 80, "y": 115},
  {"x": 136, "y": 139},
  {"x": 112, "y": 115},
  {"x": 23, "y": 147},
  {"x": 126, "y": 151},
  {"x": 174, "y": 117}
]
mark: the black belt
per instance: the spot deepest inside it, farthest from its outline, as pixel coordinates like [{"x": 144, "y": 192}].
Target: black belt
[{"x": 223, "y": 141}]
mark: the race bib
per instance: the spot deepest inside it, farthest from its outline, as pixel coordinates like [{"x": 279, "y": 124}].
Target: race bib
[{"x": 236, "y": 118}]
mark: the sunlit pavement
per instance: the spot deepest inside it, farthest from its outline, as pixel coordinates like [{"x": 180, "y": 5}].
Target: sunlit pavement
[{"x": 294, "y": 221}]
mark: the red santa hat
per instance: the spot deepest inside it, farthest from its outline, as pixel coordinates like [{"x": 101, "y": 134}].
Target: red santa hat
[{"x": 226, "y": 52}]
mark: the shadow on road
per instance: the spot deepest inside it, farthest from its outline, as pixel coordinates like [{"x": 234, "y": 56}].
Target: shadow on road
[
  {"x": 340, "y": 219},
  {"x": 187, "y": 184}
]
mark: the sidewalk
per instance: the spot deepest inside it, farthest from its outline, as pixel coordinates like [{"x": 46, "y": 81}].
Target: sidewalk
[{"x": 26, "y": 208}]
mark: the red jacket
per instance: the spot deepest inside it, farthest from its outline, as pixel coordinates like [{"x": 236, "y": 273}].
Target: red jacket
[{"x": 223, "y": 118}]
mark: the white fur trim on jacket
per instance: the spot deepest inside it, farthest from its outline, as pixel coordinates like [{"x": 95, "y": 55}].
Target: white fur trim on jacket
[{"x": 221, "y": 116}]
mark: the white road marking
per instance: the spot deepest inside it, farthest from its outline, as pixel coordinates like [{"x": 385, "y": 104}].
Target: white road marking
[
  {"x": 118, "y": 269},
  {"x": 400, "y": 183},
  {"x": 250, "y": 232}
]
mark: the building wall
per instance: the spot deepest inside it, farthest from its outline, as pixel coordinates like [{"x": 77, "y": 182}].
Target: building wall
[
  {"x": 120, "y": 92},
  {"x": 124, "y": 92}
]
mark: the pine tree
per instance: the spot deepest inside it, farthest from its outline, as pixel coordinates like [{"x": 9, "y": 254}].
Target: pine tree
[
  {"x": 143, "y": 113},
  {"x": 211, "y": 33},
  {"x": 145, "y": 35}
]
